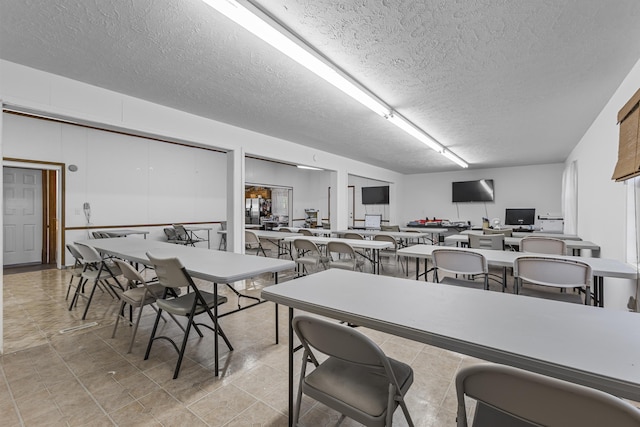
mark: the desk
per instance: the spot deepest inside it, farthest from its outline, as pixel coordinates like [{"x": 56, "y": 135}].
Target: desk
[
  {"x": 374, "y": 245},
  {"x": 437, "y": 231},
  {"x": 315, "y": 231},
  {"x": 124, "y": 232},
  {"x": 548, "y": 337},
  {"x": 576, "y": 246},
  {"x": 601, "y": 267},
  {"x": 213, "y": 266}
]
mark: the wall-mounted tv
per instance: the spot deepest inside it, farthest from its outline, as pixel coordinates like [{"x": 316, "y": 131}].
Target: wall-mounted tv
[
  {"x": 520, "y": 216},
  {"x": 375, "y": 195},
  {"x": 472, "y": 191}
]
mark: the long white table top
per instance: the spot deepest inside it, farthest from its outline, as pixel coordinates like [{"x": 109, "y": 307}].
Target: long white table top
[
  {"x": 269, "y": 234},
  {"x": 213, "y": 266},
  {"x": 548, "y": 337},
  {"x": 603, "y": 267},
  {"x": 533, "y": 233},
  {"x": 515, "y": 241},
  {"x": 396, "y": 234},
  {"x": 360, "y": 244}
]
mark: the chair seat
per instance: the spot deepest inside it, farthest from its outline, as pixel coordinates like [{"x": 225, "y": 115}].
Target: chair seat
[
  {"x": 104, "y": 274},
  {"x": 135, "y": 296},
  {"x": 346, "y": 264},
  {"x": 357, "y": 386},
  {"x": 312, "y": 260},
  {"x": 181, "y": 306},
  {"x": 462, "y": 282},
  {"x": 552, "y": 294}
]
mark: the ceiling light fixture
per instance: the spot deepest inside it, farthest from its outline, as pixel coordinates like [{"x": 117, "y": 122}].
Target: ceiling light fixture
[
  {"x": 259, "y": 23},
  {"x": 311, "y": 168},
  {"x": 295, "y": 49}
]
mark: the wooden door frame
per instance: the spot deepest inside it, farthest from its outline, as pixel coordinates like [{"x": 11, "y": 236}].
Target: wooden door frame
[{"x": 59, "y": 192}]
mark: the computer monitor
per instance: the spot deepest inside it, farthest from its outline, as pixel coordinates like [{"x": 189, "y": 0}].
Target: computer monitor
[
  {"x": 372, "y": 221},
  {"x": 520, "y": 216}
]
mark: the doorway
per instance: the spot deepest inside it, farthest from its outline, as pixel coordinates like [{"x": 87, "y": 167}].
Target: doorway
[{"x": 32, "y": 195}]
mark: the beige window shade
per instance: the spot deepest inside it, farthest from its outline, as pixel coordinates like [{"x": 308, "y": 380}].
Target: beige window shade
[{"x": 628, "y": 165}]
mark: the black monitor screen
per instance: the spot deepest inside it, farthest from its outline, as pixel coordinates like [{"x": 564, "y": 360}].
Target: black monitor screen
[
  {"x": 472, "y": 191},
  {"x": 520, "y": 217},
  {"x": 375, "y": 195}
]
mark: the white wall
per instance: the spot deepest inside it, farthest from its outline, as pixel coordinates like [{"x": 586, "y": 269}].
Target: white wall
[
  {"x": 127, "y": 180},
  {"x": 362, "y": 210},
  {"x": 601, "y": 201},
  {"x": 429, "y": 195}
]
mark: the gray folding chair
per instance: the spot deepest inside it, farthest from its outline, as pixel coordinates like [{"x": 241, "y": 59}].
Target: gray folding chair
[
  {"x": 172, "y": 274},
  {"x": 543, "y": 245},
  {"x": 460, "y": 262},
  {"x": 487, "y": 241},
  {"x": 391, "y": 253},
  {"x": 548, "y": 272},
  {"x": 138, "y": 294},
  {"x": 346, "y": 257},
  {"x": 517, "y": 397},
  {"x": 98, "y": 270},
  {"x": 76, "y": 270},
  {"x": 358, "y": 379},
  {"x": 308, "y": 256},
  {"x": 305, "y": 232},
  {"x": 252, "y": 243}
]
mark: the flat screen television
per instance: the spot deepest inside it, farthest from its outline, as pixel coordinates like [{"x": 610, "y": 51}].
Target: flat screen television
[
  {"x": 472, "y": 191},
  {"x": 375, "y": 195},
  {"x": 520, "y": 216}
]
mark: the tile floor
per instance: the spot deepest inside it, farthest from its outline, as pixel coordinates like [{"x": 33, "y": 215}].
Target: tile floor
[{"x": 84, "y": 377}]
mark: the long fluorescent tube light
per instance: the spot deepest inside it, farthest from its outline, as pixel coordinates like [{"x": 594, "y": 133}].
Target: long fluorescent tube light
[
  {"x": 294, "y": 49},
  {"x": 278, "y": 37},
  {"x": 449, "y": 155},
  {"x": 311, "y": 168},
  {"x": 412, "y": 130}
]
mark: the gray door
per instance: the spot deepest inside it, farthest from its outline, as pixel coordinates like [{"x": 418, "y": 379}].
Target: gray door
[{"x": 22, "y": 219}]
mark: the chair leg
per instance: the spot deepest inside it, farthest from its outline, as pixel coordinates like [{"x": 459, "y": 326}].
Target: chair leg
[
  {"x": 153, "y": 334},
  {"x": 115, "y": 325},
  {"x": 183, "y": 348},
  {"x": 86, "y": 309},
  {"x": 135, "y": 328}
]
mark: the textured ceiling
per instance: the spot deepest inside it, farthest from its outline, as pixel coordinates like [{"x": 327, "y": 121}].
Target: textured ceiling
[{"x": 499, "y": 82}]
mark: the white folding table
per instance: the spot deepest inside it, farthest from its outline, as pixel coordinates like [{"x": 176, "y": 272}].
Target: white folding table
[
  {"x": 576, "y": 246},
  {"x": 212, "y": 266},
  {"x": 548, "y": 337}
]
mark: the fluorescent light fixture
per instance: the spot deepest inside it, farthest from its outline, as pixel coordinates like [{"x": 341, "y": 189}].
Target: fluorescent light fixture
[
  {"x": 308, "y": 167},
  {"x": 455, "y": 159},
  {"x": 412, "y": 130},
  {"x": 259, "y": 23},
  {"x": 296, "y": 50}
]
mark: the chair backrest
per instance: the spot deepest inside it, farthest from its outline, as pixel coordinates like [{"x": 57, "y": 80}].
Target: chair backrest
[
  {"x": 96, "y": 235},
  {"x": 170, "y": 272},
  {"x": 487, "y": 241},
  {"x": 338, "y": 247},
  {"x": 305, "y": 245},
  {"x": 88, "y": 253},
  {"x": 75, "y": 252},
  {"x": 543, "y": 245},
  {"x": 389, "y": 228},
  {"x": 284, "y": 230},
  {"x": 387, "y": 238},
  {"x": 540, "y": 399},
  {"x": 251, "y": 239},
  {"x": 339, "y": 341},
  {"x": 459, "y": 261},
  {"x": 181, "y": 232},
  {"x": 305, "y": 232},
  {"x": 129, "y": 273},
  {"x": 549, "y": 271},
  {"x": 355, "y": 236},
  {"x": 506, "y": 231},
  {"x": 170, "y": 232}
]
